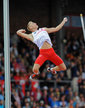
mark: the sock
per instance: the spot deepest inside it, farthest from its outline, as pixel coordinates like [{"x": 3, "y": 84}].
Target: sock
[
  {"x": 37, "y": 73},
  {"x": 53, "y": 71}
]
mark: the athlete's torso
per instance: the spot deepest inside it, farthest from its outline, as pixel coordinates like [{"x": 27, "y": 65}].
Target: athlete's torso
[{"x": 41, "y": 39}]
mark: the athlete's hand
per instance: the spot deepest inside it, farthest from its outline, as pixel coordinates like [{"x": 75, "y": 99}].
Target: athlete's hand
[
  {"x": 21, "y": 31},
  {"x": 65, "y": 19}
]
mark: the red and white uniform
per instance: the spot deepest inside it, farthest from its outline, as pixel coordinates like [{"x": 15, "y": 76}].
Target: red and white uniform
[{"x": 40, "y": 36}]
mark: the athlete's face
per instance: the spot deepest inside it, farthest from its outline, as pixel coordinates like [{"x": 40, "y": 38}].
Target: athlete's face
[{"x": 32, "y": 25}]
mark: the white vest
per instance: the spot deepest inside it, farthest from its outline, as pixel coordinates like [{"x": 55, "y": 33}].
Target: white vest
[{"x": 40, "y": 36}]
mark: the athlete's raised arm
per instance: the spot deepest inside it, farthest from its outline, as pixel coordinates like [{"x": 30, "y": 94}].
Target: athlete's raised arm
[
  {"x": 23, "y": 34},
  {"x": 55, "y": 29}
]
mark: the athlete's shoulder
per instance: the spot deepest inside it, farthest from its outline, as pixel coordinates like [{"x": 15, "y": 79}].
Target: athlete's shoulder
[
  {"x": 44, "y": 28},
  {"x": 30, "y": 37}
]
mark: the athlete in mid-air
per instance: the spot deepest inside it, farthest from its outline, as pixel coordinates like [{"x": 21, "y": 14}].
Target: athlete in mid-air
[{"x": 41, "y": 38}]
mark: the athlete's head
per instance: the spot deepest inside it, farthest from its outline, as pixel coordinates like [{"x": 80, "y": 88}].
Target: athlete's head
[{"x": 32, "y": 26}]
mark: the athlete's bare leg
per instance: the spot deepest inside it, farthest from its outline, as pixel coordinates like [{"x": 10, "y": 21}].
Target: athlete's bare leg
[
  {"x": 36, "y": 68},
  {"x": 61, "y": 67},
  {"x": 36, "y": 72}
]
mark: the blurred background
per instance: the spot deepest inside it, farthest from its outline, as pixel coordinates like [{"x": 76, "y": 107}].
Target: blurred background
[{"x": 67, "y": 88}]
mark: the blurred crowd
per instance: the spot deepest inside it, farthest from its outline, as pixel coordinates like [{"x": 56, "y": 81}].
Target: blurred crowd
[{"x": 64, "y": 90}]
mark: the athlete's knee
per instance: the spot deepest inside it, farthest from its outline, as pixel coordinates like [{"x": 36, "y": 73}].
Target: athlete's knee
[
  {"x": 63, "y": 67},
  {"x": 36, "y": 69}
]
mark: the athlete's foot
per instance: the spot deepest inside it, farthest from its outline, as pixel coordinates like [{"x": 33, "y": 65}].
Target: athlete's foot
[
  {"x": 50, "y": 70},
  {"x": 34, "y": 76}
]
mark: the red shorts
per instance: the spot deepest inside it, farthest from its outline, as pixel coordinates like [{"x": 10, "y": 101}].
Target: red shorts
[{"x": 48, "y": 54}]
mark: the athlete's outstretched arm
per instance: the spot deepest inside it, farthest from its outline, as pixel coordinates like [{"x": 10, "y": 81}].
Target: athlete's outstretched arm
[
  {"x": 23, "y": 34},
  {"x": 55, "y": 29}
]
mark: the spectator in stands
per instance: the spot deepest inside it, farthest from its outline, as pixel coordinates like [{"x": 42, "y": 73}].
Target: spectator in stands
[
  {"x": 14, "y": 50},
  {"x": 74, "y": 102},
  {"x": 82, "y": 101},
  {"x": 55, "y": 102},
  {"x": 57, "y": 92},
  {"x": 63, "y": 102},
  {"x": 31, "y": 100},
  {"x": 76, "y": 97},
  {"x": 37, "y": 94},
  {"x": 62, "y": 91},
  {"x": 50, "y": 98},
  {"x": 69, "y": 96},
  {"x": 75, "y": 74},
  {"x": 71, "y": 104},
  {"x": 1, "y": 104},
  {"x": 34, "y": 104},
  {"x": 45, "y": 95},
  {"x": 41, "y": 104},
  {"x": 1, "y": 76},
  {"x": 27, "y": 105},
  {"x": 1, "y": 50},
  {"x": 1, "y": 96}
]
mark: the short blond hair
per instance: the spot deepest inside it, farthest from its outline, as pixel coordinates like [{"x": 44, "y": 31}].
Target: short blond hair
[{"x": 28, "y": 25}]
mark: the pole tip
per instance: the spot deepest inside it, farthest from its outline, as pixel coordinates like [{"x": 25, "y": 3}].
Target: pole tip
[{"x": 81, "y": 15}]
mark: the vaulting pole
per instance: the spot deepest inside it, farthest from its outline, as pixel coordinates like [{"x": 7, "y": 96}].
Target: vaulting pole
[
  {"x": 82, "y": 23},
  {"x": 7, "y": 53}
]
